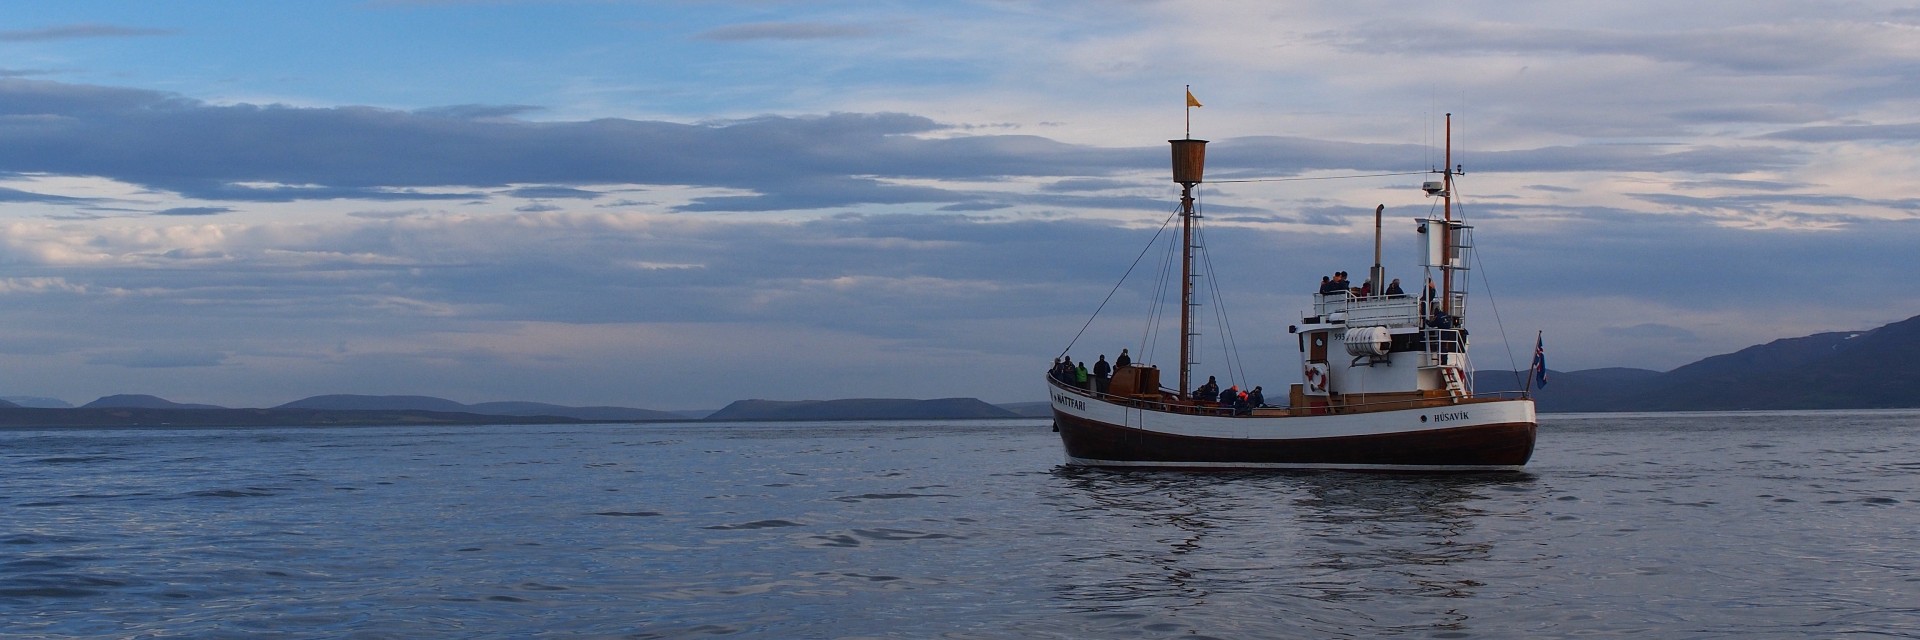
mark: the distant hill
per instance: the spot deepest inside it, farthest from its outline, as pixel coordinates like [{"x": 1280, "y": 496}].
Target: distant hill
[
  {"x": 178, "y": 417},
  {"x": 583, "y": 413},
  {"x": 36, "y": 401},
  {"x": 350, "y": 402},
  {"x": 142, "y": 401},
  {"x": 1029, "y": 409},
  {"x": 9, "y": 404},
  {"x": 860, "y": 409},
  {"x": 1842, "y": 370}
]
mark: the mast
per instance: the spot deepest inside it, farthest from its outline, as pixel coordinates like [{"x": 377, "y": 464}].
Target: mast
[
  {"x": 1189, "y": 162},
  {"x": 1446, "y": 230}
]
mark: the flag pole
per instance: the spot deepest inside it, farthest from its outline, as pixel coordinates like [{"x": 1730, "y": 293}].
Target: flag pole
[{"x": 1189, "y": 104}]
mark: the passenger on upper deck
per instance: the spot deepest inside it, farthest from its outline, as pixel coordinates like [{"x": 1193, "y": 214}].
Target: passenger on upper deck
[
  {"x": 1122, "y": 361},
  {"x": 1255, "y": 398},
  {"x": 1393, "y": 289},
  {"x": 1365, "y": 290},
  {"x": 1080, "y": 376},
  {"x": 1327, "y": 286}
]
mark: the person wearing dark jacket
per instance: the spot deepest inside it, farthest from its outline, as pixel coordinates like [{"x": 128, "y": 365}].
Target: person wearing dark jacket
[
  {"x": 1122, "y": 361},
  {"x": 1208, "y": 392},
  {"x": 1255, "y": 398},
  {"x": 1101, "y": 373}
]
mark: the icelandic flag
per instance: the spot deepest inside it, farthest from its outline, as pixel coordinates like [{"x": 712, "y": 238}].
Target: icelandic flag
[{"x": 1540, "y": 362}]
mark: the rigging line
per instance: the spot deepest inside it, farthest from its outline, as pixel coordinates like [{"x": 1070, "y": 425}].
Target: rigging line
[
  {"x": 1116, "y": 287},
  {"x": 1156, "y": 310},
  {"x": 1156, "y": 300},
  {"x": 1369, "y": 175},
  {"x": 1495, "y": 307},
  {"x": 1236, "y": 366}
]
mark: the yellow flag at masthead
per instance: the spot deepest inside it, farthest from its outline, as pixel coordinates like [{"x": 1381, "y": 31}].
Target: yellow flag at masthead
[{"x": 1192, "y": 101}]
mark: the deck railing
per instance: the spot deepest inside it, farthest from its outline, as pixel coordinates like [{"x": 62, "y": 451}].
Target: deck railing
[{"x": 1382, "y": 310}]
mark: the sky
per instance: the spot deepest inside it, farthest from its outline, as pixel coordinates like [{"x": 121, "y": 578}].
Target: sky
[{"x": 674, "y": 205}]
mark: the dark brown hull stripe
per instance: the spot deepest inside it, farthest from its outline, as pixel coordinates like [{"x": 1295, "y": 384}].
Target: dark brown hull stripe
[{"x": 1486, "y": 447}]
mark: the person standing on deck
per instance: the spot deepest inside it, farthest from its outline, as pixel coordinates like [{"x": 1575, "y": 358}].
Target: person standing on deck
[
  {"x": 1123, "y": 361},
  {"x": 1101, "y": 373},
  {"x": 1080, "y": 377}
]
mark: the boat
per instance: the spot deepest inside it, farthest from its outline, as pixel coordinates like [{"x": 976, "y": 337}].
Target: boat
[{"x": 1386, "y": 384}]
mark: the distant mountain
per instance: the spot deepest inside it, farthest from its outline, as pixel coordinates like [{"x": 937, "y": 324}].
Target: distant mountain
[
  {"x": 1029, "y": 409},
  {"x": 583, "y": 413},
  {"x": 142, "y": 401},
  {"x": 350, "y": 402},
  {"x": 860, "y": 409},
  {"x": 6, "y": 404},
  {"x": 179, "y": 417},
  {"x": 1842, "y": 370},
  {"x": 36, "y": 402}
]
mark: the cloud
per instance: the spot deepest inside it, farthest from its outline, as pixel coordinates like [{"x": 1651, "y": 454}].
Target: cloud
[
  {"x": 278, "y": 153},
  {"x": 1652, "y": 331},
  {"x": 477, "y": 111},
  {"x": 1906, "y": 131},
  {"x": 1752, "y": 48},
  {"x": 39, "y": 285},
  {"x": 786, "y": 31},
  {"x": 158, "y": 358},
  {"x": 554, "y": 192},
  {"x": 975, "y": 206},
  {"x": 74, "y": 31},
  {"x": 413, "y": 296},
  {"x": 193, "y": 211},
  {"x": 16, "y": 195},
  {"x": 1076, "y": 185}
]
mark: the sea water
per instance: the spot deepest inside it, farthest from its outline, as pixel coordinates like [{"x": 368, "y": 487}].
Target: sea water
[{"x": 1748, "y": 525}]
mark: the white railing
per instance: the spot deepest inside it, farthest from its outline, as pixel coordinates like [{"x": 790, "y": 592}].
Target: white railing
[{"x": 1387, "y": 311}]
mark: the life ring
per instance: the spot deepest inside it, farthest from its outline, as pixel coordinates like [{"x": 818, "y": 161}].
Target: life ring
[{"x": 1316, "y": 378}]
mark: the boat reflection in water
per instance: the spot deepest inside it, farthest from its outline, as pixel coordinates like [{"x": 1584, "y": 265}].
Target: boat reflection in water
[{"x": 1340, "y": 549}]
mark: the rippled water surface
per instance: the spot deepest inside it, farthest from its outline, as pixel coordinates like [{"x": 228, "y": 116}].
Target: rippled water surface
[{"x": 1776, "y": 525}]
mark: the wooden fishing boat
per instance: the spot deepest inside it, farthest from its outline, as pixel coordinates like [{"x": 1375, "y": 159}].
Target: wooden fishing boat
[{"x": 1386, "y": 384}]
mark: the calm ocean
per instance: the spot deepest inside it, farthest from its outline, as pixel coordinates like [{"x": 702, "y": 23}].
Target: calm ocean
[{"x": 1724, "y": 525}]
